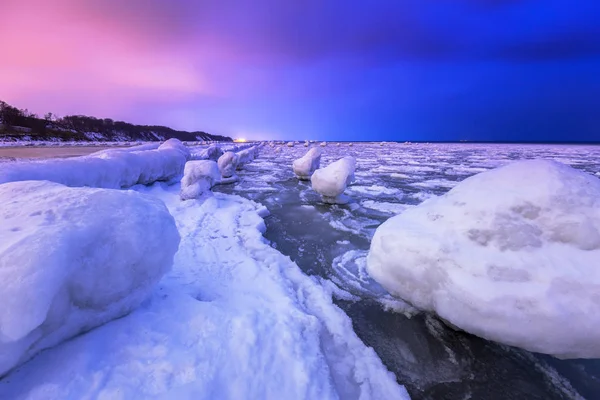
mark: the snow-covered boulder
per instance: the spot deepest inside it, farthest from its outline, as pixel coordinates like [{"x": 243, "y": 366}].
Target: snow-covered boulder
[
  {"x": 198, "y": 178},
  {"x": 331, "y": 181},
  {"x": 176, "y": 144},
  {"x": 290, "y": 144},
  {"x": 109, "y": 169},
  {"x": 510, "y": 255},
  {"x": 212, "y": 152},
  {"x": 72, "y": 259},
  {"x": 307, "y": 164},
  {"x": 246, "y": 156},
  {"x": 227, "y": 164}
]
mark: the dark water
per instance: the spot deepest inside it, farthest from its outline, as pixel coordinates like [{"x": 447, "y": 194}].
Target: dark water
[{"x": 431, "y": 360}]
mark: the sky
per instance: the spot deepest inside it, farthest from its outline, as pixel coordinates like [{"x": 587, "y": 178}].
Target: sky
[{"x": 492, "y": 70}]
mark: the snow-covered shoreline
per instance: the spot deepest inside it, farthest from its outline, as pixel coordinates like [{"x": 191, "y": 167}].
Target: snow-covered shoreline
[{"x": 234, "y": 319}]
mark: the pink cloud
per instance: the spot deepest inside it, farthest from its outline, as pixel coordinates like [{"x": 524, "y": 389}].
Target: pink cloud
[{"x": 60, "y": 52}]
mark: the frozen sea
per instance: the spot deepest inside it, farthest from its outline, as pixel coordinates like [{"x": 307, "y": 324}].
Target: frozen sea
[
  {"x": 331, "y": 241},
  {"x": 235, "y": 318}
]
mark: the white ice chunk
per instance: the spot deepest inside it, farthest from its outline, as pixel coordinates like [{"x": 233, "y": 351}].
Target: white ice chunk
[
  {"x": 246, "y": 156},
  {"x": 307, "y": 164},
  {"x": 227, "y": 164},
  {"x": 109, "y": 169},
  {"x": 176, "y": 144},
  {"x": 290, "y": 144},
  {"x": 198, "y": 178},
  {"x": 510, "y": 255},
  {"x": 212, "y": 152},
  {"x": 331, "y": 181},
  {"x": 72, "y": 259}
]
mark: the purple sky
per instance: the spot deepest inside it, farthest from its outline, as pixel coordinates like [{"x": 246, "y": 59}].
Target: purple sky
[{"x": 389, "y": 70}]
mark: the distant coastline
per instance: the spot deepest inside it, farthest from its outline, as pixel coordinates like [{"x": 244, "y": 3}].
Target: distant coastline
[{"x": 20, "y": 125}]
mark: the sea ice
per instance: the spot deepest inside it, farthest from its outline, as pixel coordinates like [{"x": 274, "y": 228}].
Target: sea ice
[
  {"x": 331, "y": 181},
  {"x": 510, "y": 255},
  {"x": 72, "y": 259},
  {"x": 212, "y": 152},
  {"x": 227, "y": 164},
  {"x": 198, "y": 178},
  {"x": 305, "y": 166}
]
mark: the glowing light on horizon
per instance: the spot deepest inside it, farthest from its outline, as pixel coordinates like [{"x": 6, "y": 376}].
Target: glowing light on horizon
[{"x": 240, "y": 140}]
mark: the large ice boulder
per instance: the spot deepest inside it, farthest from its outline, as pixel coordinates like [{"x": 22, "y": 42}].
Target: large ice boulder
[
  {"x": 510, "y": 255},
  {"x": 227, "y": 164},
  {"x": 307, "y": 164},
  {"x": 212, "y": 152},
  {"x": 246, "y": 156},
  {"x": 290, "y": 144},
  {"x": 72, "y": 259},
  {"x": 176, "y": 144},
  {"x": 331, "y": 181},
  {"x": 198, "y": 178}
]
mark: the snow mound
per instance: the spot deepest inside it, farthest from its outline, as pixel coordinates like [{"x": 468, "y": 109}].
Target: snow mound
[
  {"x": 227, "y": 164},
  {"x": 72, "y": 259},
  {"x": 510, "y": 255},
  {"x": 198, "y": 178},
  {"x": 108, "y": 169},
  {"x": 246, "y": 156},
  {"x": 331, "y": 181},
  {"x": 307, "y": 164},
  {"x": 212, "y": 152},
  {"x": 290, "y": 144},
  {"x": 176, "y": 144}
]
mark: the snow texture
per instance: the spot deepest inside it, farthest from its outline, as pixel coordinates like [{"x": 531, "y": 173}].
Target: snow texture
[
  {"x": 331, "y": 181},
  {"x": 246, "y": 156},
  {"x": 198, "y": 178},
  {"x": 227, "y": 164},
  {"x": 111, "y": 169},
  {"x": 212, "y": 152},
  {"x": 510, "y": 255},
  {"x": 234, "y": 319},
  {"x": 305, "y": 166},
  {"x": 72, "y": 259}
]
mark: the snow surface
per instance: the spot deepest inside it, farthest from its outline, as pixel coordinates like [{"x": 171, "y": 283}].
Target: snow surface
[
  {"x": 510, "y": 255},
  {"x": 112, "y": 169},
  {"x": 72, "y": 259},
  {"x": 198, "y": 178},
  {"x": 227, "y": 164},
  {"x": 331, "y": 181},
  {"x": 246, "y": 156},
  {"x": 306, "y": 165},
  {"x": 213, "y": 152},
  {"x": 233, "y": 319}
]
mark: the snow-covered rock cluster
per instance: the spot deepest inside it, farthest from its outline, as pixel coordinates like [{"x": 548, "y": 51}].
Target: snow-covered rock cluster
[
  {"x": 227, "y": 164},
  {"x": 198, "y": 178},
  {"x": 305, "y": 166},
  {"x": 246, "y": 156},
  {"x": 510, "y": 255},
  {"x": 72, "y": 259},
  {"x": 118, "y": 168},
  {"x": 213, "y": 152},
  {"x": 331, "y": 181}
]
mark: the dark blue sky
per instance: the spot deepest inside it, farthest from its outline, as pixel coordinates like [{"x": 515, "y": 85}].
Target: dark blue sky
[{"x": 335, "y": 70}]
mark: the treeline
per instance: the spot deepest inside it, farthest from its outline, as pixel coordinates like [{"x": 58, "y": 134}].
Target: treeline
[{"x": 20, "y": 124}]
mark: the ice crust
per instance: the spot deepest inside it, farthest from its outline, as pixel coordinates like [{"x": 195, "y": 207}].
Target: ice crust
[
  {"x": 510, "y": 255},
  {"x": 331, "y": 181},
  {"x": 227, "y": 164},
  {"x": 305, "y": 166},
  {"x": 198, "y": 178},
  {"x": 72, "y": 259},
  {"x": 112, "y": 169}
]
